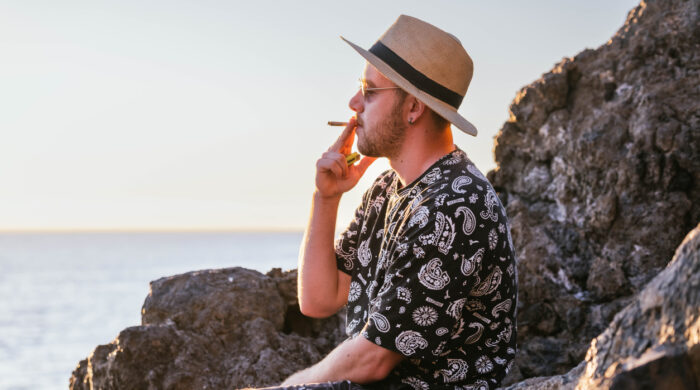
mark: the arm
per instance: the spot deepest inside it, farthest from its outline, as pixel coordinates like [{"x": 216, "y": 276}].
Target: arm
[
  {"x": 321, "y": 287},
  {"x": 357, "y": 360}
]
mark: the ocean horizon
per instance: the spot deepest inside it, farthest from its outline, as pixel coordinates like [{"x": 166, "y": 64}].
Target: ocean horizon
[{"x": 64, "y": 293}]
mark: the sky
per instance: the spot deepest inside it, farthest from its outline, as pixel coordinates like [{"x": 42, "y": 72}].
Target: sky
[{"x": 210, "y": 115}]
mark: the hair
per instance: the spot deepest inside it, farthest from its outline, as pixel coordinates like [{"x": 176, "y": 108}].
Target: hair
[
  {"x": 439, "y": 122},
  {"x": 401, "y": 95}
]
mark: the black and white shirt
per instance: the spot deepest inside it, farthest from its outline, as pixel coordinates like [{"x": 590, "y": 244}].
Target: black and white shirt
[{"x": 434, "y": 276}]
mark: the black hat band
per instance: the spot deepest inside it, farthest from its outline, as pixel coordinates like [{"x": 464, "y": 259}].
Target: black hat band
[{"x": 415, "y": 77}]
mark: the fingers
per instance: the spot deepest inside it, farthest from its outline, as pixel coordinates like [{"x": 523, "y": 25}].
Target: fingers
[
  {"x": 346, "y": 138},
  {"x": 334, "y": 162},
  {"x": 324, "y": 165},
  {"x": 346, "y": 148}
]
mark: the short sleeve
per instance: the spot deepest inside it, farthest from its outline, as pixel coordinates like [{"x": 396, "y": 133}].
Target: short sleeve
[
  {"x": 419, "y": 308},
  {"x": 346, "y": 244}
]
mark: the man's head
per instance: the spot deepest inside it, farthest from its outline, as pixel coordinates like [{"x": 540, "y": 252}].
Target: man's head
[
  {"x": 384, "y": 114},
  {"x": 426, "y": 62}
]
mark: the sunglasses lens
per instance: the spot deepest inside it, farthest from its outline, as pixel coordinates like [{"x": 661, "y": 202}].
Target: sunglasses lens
[{"x": 362, "y": 88}]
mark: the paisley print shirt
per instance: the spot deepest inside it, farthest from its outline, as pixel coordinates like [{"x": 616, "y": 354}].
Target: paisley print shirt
[{"x": 434, "y": 276}]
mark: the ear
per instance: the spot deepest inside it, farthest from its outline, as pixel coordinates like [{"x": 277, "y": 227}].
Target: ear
[{"x": 416, "y": 108}]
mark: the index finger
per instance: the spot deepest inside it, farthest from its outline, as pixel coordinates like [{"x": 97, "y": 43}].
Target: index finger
[{"x": 346, "y": 138}]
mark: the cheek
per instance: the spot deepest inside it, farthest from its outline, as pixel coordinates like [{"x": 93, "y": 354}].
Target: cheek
[{"x": 371, "y": 115}]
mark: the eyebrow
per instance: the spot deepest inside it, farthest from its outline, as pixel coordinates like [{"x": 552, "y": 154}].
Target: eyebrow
[{"x": 368, "y": 83}]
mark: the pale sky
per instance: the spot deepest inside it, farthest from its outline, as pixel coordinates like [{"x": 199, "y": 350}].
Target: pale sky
[{"x": 155, "y": 115}]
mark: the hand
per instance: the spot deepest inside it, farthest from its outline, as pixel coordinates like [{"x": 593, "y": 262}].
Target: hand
[{"x": 333, "y": 175}]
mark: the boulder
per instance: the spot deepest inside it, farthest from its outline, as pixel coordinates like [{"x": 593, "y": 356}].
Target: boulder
[
  {"x": 599, "y": 168},
  {"x": 653, "y": 343},
  {"x": 215, "y": 329}
]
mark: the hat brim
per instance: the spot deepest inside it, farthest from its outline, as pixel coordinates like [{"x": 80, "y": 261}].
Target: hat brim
[{"x": 443, "y": 109}]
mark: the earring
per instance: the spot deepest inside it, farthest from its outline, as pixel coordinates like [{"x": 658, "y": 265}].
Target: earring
[{"x": 410, "y": 121}]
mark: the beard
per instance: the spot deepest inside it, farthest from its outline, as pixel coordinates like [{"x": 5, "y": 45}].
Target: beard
[{"x": 385, "y": 138}]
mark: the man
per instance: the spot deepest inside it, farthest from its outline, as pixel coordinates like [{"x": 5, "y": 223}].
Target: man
[{"x": 427, "y": 267}]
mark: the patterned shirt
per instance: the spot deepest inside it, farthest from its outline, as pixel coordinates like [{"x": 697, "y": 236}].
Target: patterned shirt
[{"x": 434, "y": 276}]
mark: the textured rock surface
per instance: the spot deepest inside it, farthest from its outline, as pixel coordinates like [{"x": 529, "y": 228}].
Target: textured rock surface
[
  {"x": 599, "y": 166},
  {"x": 215, "y": 329},
  {"x": 653, "y": 343}
]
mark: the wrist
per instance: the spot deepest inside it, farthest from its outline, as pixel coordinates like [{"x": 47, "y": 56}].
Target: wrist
[{"x": 319, "y": 197}]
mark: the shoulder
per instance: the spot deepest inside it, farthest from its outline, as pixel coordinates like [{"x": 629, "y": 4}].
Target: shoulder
[
  {"x": 455, "y": 182},
  {"x": 380, "y": 184},
  {"x": 384, "y": 178},
  {"x": 454, "y": 198}
]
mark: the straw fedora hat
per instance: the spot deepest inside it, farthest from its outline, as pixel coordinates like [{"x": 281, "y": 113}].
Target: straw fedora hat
[{"x": 426, "y": 62}]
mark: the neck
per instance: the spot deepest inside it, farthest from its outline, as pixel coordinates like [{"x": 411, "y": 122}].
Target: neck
[{"x": 421, "y": 149}]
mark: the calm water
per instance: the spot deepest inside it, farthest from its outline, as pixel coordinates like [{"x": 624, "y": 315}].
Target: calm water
[{"x": 63, "y": 294}]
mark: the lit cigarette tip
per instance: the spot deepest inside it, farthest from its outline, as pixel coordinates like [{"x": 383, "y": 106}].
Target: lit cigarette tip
[{"x": 334, "y": 123}]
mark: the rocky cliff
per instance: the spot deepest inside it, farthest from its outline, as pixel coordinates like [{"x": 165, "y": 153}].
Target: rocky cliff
[
  {"x": 653, "y": 343},
  {"x": 230, "y": 328},
  {"x": 214, "y": 329},
  {"x": 599, "y": 166}
]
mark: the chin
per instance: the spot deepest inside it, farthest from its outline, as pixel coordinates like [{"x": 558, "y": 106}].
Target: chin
[
  {"x": 363, "y": 151},
  {"x": 368, "y": 153}
]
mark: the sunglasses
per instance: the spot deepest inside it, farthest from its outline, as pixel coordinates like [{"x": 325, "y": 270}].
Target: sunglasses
[{"x": 368, "y": 91}]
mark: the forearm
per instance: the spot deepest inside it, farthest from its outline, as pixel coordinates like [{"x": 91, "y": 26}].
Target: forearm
[
  {"x": 317, "y": 284},
  {"x": 357, "y": 360},
  {"x": 321, "y": 288}
]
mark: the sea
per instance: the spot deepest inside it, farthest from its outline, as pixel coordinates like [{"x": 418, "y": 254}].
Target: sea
[{"x": 62, "y": 294}]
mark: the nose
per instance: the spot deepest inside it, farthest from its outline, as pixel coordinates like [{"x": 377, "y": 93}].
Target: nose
[{"x": 356, "y": 102}]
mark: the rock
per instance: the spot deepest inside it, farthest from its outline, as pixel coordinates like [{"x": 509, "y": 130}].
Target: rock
[
  {"x": 606, "y": 280},
  {"x": 653, "y": 343},
  {"x": 240, "y": 297},
  {"x": 214, "y": 329},
  {"x": 559, "y": 382},
  {"x": 78, "y": 379},
  {"x": 598, "y": 167}
]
